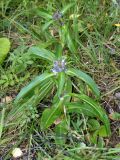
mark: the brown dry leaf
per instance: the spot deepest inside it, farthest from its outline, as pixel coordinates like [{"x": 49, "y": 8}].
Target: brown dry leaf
[
  {"x": 90, "y": 27},
  {"x": 53, "y": 32},
  {"x": 115, "y": 116},
  {"x": 58, "y": 121},
  {"x": 117, "y": 95},
  {"x": 117, "y": 25},
  {"x": 7, "y": 99},
  {"x": 106, "y": 142},
  {"x": 74, "y": 99},
  {"x": 103, "y": 2},
  {"x": 110, "y": 116},
  {"x": 17, "y": 152},
  {"x": 117, "y": 145},
  {"x": 87, "y": 137}
]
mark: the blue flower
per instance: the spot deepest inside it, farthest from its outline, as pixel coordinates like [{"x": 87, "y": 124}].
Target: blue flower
[{"x": 59, "y": 66}]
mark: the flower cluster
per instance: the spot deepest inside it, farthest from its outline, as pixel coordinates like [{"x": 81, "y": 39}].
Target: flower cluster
[
  {"x": 57, "y": 15},
  {"x": 59, "y": 66}
]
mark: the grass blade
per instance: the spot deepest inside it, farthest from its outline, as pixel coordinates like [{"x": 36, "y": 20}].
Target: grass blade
[
  {"x": 70, "y": 43},
  {"x": 43, "y": 13},
  {"x": 67, "y": 7},
  {"x": 2, "y": 121},
  {"x": 46, "y": 25}
]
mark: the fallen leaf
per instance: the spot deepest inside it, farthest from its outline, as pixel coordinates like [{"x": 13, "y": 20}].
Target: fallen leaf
[
  {"x": 17, "y": 152},
  {"x": 57, "y": 121},
  {"x": 7, "y": 99},
  {"x": 117, "y": 145},
  {"x": 114, "y": 116},
  {"x": 117, "y": 25},
  {"x": 90, "y": 27},
  {"x": 117, "y": 95},
  {"x": 72, "y": 16}
]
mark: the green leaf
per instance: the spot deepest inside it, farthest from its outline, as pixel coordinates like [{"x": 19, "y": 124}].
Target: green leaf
[
  {"x": 60, "y": 86},
  {"x": 64, "y": 87},
  {"x": 60, "y": 132},
  {"x": 43, "y": 13},
  {"x": 70, "y": 43},
  {"x": 51, "y": 114},
  {"x": 2, "y": 81},
  {"x": 115, "y": 116},
  {"x": 98, "y": 110},
  {"x": 2, "y": 121},
  {"x": 43, "y": 91},
  {"x": 59, "y": 51},
  {"x": 68, "y": 88},
  {"x": 46, "y": 25},
  {"x": 102, "y": 131},
  {"x": 61, "y": 83},
  {"x": 93, "y": 124},
  {"x": 82, "y": 108},
  {"x": 67, "y": 7},
  {"x": 42, "y": 53},
  {"x": 4, "y": 48},
  {"x": 93, "y": 137},
  {"x": 62, "y": 34},
  {"x": 86, "y": 78},
  {"x": 30, "y": 87},
  {"x": 101, "y": 142},
  {"x": 18, "y": 110}
]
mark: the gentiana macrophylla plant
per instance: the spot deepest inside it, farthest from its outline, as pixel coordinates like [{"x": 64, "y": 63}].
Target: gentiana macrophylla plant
[{"x": 60, "y": 76}]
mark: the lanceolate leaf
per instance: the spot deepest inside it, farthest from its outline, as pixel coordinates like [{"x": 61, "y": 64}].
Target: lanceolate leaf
[
  {"x": 59, "y": 51},
  {"x": 39, "y": 92},
  {"x": 18, "y": 110},
  {"x": 43, "y": 13},
  {"x": 42, "y": 53},
  {"x": 33, "y": 84},
  {"x": 68, "y": 88},
  {"x": 93, "y": 124},
  {"x": 51, "y": 114},
  {"x": 65, "y": 9},
  {"x": 77, "y": 107},
  {"x": 64, "y": 87},
  {"x": 70, "y": 43},
  {"x": 61, "y": 131},
  {"x": 62, "y": 34},
  {"x": 86, "y": 78},
  {"x": 97, "y": 110},
  {"x": 102, "y": 131},
  {"x": 46, "y": 25},
  {"x": 61, "y": 83},
  {"x": 43, "y": 91}
]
